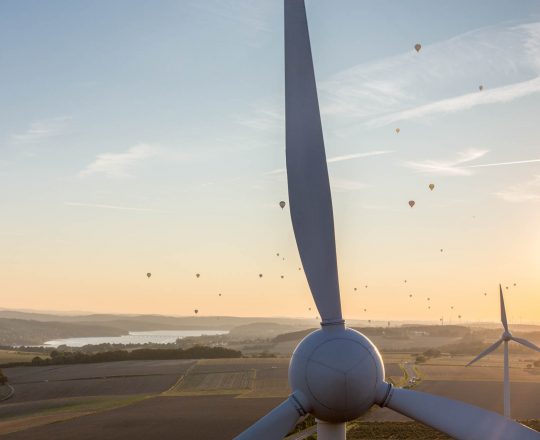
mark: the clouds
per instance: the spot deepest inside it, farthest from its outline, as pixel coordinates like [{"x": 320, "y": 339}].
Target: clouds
[
  {"x": 342, "y": 185},
  {"x": 527, "y": 191},
  {"x": 449, "y": 167},
  {"x": 250, "y": 14},
  {"x": 443, "y": 78},
  {"x": 120, "y": 165},
  {"x": 42, "y": 130}
]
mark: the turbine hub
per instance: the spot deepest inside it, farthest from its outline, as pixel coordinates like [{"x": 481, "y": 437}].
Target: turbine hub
[
  {"x": 506, "y": 336},
  {"x": 339, "y": 371}
]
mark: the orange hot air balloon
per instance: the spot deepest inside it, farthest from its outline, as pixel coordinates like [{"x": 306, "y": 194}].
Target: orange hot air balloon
[
  {"x": 417, "y": 47},
  {"x": 282, "y": 204},
  {"x": 431, "y": 186},
  {"x": 412, "y": 203}
]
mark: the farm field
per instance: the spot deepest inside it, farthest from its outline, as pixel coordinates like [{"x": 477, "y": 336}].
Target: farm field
[
  {"x": 201, "y": 418},
  {"x": 145, "y": 399},
  {"x": 7, "y": 356},
  {"x": 111, "y": 378}
]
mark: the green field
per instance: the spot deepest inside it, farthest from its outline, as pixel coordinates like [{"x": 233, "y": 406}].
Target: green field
[{"x": 7, "y": 356}]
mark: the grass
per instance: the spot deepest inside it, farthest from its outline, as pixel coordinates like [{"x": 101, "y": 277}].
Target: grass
[{"x": 8, "y": 356}]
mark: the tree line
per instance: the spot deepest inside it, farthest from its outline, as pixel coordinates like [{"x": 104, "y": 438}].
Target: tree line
[{"x": 196, "y": 352}]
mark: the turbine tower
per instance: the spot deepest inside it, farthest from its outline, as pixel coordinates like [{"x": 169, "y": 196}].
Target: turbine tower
[
  {"x": 505, "y": 338},
  {"x": 336, "y": 373}
]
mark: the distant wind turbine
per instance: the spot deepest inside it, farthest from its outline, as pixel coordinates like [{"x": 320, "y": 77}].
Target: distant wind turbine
[{"x": 505, "y": 337}]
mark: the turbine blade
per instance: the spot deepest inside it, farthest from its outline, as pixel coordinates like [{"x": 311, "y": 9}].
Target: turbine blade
[
  {"x": 486, "y": 351},
  {"x": 276, "y": 424},
  {"x": 310, "y": 199},
  {"x": 459, "y": 420},
  {"x": 526, "y": 343},
  {"x": 503, "y": 310}
]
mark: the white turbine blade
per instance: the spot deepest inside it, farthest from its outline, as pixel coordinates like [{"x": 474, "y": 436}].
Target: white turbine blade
[
  {"x": 310, "y": 199},
  {"x": 486, "y": 351},
  {"x": 276, "y": 424},
  {"x": 459, "y": 420},
  {"x": 503, "y": 310},
  {"x": 526, "y": 343}
]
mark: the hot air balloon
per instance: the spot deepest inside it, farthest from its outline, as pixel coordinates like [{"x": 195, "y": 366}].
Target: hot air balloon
[
  {"x": 282, "y": 204},
  {"x": 365, "y": 310},
  {"x": 452, "y": 307},
  {"x": 277, "y": 255},
  {"x": 428, "y": 299},
  {"x": 309, "y": 308},
  {"x": 282, "y": 277},
  {"x": 355, "y": 289},
  {"x": 197, "y": 275},
  {"x": 196, "y": 311},
  {"x": 485, "y": 294},
  {"x": 411, "y": 203},
  {"x": 220, "y": 294},
  {"x": 431, "y": 186},
  {"x": 441, "y": 250},
  {"x": 410, "y": 295},
  {"x": 429, "y": 307},
  {"x": 480, "y": 87},
  {"x": 148, "y": 274},
  {"x": 365, "y": 286},
  {"x": 398, "y": 130},
  {"x": 405, "y": 281},
  {"x": 515, "y": 284},
  {"x": 260, "y": 275},
  {"x": 417, "y": 47},
  {"x": 299, "y": 268}
]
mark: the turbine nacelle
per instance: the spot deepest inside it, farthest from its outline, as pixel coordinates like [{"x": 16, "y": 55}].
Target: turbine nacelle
[
  {"x": 339, "y": 373},
  {"x": 506, "y": 336}
]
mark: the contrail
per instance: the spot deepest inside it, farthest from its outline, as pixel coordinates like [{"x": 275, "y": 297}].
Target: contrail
[{"x": 502, "y": 163}]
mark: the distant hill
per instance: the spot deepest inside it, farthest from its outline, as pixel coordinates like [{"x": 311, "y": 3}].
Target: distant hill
[
  {"x": 29, "y": 332},
  {"x": 263, "y": 330},
  {"x": 154, "y": 322}
]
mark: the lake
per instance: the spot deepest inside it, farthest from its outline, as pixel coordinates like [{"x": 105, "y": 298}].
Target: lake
[{"x": 155, "y": 337}]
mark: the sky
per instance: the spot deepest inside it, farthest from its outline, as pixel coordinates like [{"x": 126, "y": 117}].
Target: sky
[{"x": 144, "y": 137}]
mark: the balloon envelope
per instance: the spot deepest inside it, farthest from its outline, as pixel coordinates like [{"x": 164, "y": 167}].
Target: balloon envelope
[
  {"x": 480, "y": 87},
  {"x": 431, "y": 186},
  {"x": 417, "y": 47},
  {"x": 197, "y": 275},
  {"x": 196, "y": 311},
  {"x": 148, "y": 274},
  {"x": 411, "y": 203},
  {"x": 282, "y": 204},
  {"x": 398, "y": 130}
]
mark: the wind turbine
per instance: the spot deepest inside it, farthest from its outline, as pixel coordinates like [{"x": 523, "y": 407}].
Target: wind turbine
[
  {"x": 336, "y": 373},
  {"x": 505, "y": 338}
]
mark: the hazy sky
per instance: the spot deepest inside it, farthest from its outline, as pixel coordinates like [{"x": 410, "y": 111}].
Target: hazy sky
[{"x": 144, "y": 136}]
